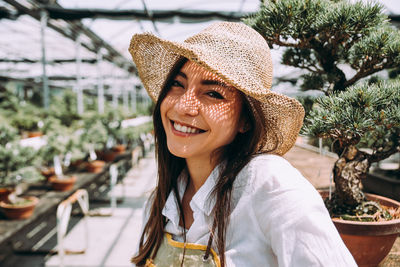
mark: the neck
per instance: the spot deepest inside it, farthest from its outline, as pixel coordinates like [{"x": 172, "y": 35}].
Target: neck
[{"x": 199, "y": 170}]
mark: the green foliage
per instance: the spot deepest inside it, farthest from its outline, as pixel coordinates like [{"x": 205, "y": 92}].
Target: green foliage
[
  {"x": 94, "y": 135},
  {"x": 64, "y": 108},
  {"x": 56, "y": 143},
  {"x": 28, "y": 174},
  {"x": 320, "y": 35},
  {"x": 13, "y": 157},
  {"x": 367, "y": 115},
  {"x": 7, "y": 134},
  {"x": 132, "y": 134}
]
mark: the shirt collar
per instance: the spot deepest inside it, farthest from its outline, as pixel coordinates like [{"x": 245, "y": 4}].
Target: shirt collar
[{"x": 201, "y": 200}]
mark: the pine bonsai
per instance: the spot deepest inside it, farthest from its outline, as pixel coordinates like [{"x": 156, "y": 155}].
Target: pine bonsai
[{"x": 324, "y": 37}]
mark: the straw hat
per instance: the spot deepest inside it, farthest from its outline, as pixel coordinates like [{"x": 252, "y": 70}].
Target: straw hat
[{"x": 237, "y": 54}]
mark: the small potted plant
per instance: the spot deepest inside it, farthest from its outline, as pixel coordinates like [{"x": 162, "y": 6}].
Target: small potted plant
[
  {"x": 17, "y": 166},
  {"x": 94, "y": 138},
  {"x": 52, "y": 154},
  {"x": 116, "y": 141},
  {"x": 7, "y": 134},
  {"x": 27, "y": 123}
]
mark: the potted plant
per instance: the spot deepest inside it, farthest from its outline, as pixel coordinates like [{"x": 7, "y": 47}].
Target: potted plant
[
  {"x": 28, "y": 123},
  {"x": 323, "y": 38},
  {"x": 94, "y": 138},
  {"x": 52, "y": 154},
  {"x": 7, "y": 134},
  {"x": 17, "y": 165},
  {"x": 116, "y": 141}
]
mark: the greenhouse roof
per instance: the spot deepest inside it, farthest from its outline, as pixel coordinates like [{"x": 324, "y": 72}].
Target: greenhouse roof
[{"x": 104, "y": 28}]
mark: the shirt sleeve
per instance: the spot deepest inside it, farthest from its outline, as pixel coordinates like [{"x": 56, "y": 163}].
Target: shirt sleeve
[{"x": 294, "y": 220}]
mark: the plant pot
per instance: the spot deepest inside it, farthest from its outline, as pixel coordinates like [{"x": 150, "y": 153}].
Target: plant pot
[
  {"x": 76, "y": 163},
  {"x": 4, "y": 192},
  {"x": 119, "y": 149},
  {"x": 369, "y": 242},
  {"x": 17, "y": 212},
  {"x": 382, "y": 184},
  {"x": 64, "y": 184},
  {"x": 34, "y": 134},
  {"x": 47, "y": 172},
  {"x": 109, "y": 156},
  {"x": 95, "y": 166}
]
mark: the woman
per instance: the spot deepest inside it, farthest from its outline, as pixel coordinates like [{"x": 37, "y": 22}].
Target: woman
[{"x": 225, "y": 196}]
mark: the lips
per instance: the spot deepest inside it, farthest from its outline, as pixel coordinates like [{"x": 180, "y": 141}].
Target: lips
[{"x": 185, "y": 128}]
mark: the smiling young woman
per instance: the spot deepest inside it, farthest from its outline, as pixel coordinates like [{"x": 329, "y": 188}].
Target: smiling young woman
[{"x": 225, "y": 196}]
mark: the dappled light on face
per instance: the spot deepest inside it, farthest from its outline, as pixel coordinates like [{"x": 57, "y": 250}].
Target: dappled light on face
[{"x": 200, "y": 113}]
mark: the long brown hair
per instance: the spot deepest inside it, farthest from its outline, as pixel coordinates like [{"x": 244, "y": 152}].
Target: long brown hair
[{"x": 235, "y": 155}]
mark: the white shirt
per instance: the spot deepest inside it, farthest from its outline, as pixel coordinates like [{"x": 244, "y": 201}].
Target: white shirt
[{"x": 277, "y": 219}]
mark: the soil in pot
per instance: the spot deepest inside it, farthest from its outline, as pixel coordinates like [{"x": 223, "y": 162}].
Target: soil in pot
[
  {"x": 65, "y": 183},
  {"x": 20, "y": 210},
  {"x": 369, "y": 242},
  {"x": 95, "y": 166}
]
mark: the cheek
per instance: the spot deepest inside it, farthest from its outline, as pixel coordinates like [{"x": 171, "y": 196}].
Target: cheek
[
  {"x": 225, "y": 114},
  {"x": 164, "y": 107}
]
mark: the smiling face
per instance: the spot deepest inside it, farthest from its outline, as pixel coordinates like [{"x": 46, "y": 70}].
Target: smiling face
[{"x": 200, "y": 113}]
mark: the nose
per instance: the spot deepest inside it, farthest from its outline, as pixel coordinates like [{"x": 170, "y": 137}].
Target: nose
[{"x": 188, "y": 104}]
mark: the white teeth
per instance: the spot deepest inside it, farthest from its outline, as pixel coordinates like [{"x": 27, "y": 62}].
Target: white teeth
[{"x": 185, "y": 129}]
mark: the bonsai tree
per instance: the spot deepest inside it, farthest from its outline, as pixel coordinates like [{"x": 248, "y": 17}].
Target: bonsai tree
[
  {"x": 324, "y": 37},
  {"x": 13, "y": 159},
  {"x": 94, "y": 136},
  {"x": 112, "y": 122},
  {"x": 55, "y": 146},
  {"x": 363, "y": 116}
]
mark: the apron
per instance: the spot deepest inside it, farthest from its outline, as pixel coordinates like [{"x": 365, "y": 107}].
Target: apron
[{"x": 170, "y": 254}]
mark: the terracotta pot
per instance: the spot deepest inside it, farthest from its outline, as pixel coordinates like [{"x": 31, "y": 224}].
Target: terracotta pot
[
  {"x": 369, "y": 242},
  {"x": 62, "y": 184},
  {"x": 48, "y": 172},
  {"x": 17, "y": 212},
  {"x": 34, "y": 134},
  {"x": 75, "y": 164},
  {"x": 109, "y": 156},
  {"x": 4, "y": 192},
  {"x": 95, "y": 166},
  {"x": 119, "y": 149}
]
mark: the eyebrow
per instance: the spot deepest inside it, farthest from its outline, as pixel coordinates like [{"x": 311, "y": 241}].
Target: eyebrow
[{"x": 209, "y": 82}]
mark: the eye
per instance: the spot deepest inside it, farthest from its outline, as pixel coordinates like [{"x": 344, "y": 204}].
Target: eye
[
  {"x": 214, "y": 94},
  {"x": 176, "y": 83}
]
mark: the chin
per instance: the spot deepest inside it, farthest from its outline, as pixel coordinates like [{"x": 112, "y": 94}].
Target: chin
[{"x": 178, "y": 152}]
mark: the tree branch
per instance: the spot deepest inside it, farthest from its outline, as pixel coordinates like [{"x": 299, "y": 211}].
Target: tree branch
[{"x": 378, "y": 156}]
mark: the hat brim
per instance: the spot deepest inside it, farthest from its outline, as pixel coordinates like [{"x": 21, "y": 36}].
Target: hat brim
[{"x": 155, "y": 57}]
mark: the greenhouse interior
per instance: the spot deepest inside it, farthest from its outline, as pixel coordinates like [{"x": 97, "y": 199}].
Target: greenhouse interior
[{"x": 78, "y": 156}]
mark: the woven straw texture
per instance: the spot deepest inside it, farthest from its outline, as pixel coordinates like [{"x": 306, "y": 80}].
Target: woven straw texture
[{"x": 238, "y": 55}]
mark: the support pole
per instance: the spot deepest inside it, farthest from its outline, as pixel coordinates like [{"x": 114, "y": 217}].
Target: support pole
[
  {"x": 43, "y": 25},
  {"x": 78, "y": 62},
  {"x": 115, "y": 96},
  {"x": 125, "y": 97},
  {"x": 100, "y": 83},
  {"x": 133, "y": 100}
]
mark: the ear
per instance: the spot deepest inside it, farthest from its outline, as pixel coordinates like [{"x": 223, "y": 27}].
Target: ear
[{"x": 244, "y": 124}]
